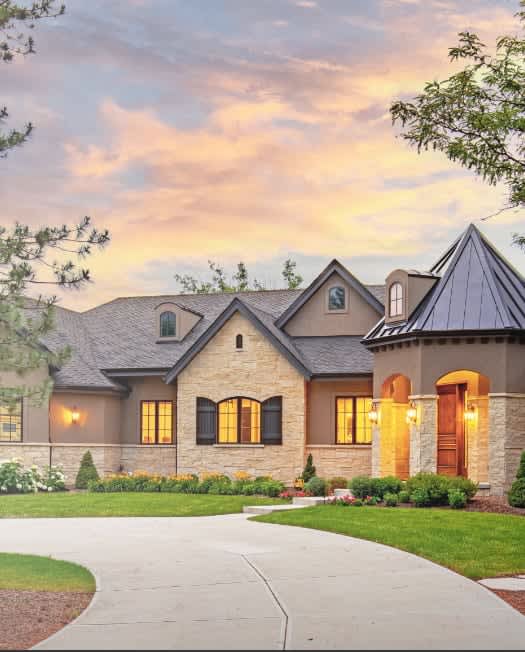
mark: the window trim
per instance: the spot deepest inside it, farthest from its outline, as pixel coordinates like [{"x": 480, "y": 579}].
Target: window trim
[
  {"x": 398, "y": 300},
  {"x": 18, "y": 441},
  {"x": 156, "y": 442},
  {"x": 354, "y": 398},
  {"x": 336, "y": 311},
  {"x": 168, "y": 312}
]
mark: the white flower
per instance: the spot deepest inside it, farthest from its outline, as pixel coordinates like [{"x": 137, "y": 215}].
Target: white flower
[
  {"x": 18, "y": 485},
  {"x": 50, "y": 488}
]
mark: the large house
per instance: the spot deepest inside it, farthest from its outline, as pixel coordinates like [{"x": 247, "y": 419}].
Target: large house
[{"x": 426, "y": 373}]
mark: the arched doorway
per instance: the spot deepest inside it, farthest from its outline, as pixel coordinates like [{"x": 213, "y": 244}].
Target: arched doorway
[
  {"x": 394, "y": 456},
  {"x": 462, "y": 424}
]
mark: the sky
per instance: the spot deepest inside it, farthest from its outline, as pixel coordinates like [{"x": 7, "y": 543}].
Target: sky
[{"x": 252, "y": 130}]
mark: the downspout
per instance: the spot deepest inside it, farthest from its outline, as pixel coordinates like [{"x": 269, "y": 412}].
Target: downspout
[{"x": 176, "y": 428}]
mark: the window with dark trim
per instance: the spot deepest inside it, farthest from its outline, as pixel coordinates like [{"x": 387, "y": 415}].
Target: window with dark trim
[
  {"x": 239, "y": 420},
  {"x": 156, "y": 422},
  {"x": 168, "y": 324},
  {"x": 337, "y": 298},
  {"x": 352, "y": 423},
  {"x": 238, "y": 341},
  {"x": 11, "y": 422},
  {"x": 395, "y": 295}
]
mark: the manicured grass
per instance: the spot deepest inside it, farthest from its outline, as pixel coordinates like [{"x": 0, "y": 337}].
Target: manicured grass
[
  {"x": 472, "y": 543},
  {"x": 32, "y": 573},
  {"x": 124, "y": 504}
]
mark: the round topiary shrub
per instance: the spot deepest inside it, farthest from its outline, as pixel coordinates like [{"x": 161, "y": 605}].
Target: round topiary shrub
[
  {"x": 316, "y": 486},
  {"x": 390, "y": 500},
  {"x": 420, "y": 498},
  {"x": 457, "y": 499},
  {"x": 516, "y": 495},
  {"x": 404, "y": 496},
  {"x": 361, "y": 486}
]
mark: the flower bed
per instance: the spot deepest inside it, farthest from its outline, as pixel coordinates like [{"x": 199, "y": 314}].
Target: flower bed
[
  {"x": 15, "y": 479},
  {"x": 190, "y": 483}
]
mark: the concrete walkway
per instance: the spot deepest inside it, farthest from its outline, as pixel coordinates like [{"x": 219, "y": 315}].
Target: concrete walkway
[{"x": 226, "y": 582}]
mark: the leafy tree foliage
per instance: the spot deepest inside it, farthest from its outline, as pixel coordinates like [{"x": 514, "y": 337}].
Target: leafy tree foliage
[
  {"x": 239, "y": 281},
  {"x": 25, "y": 251},
  {"x": 476, "y": 117}
]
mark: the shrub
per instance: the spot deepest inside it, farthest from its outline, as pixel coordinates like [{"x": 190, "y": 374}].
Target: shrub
[
  {"x": 404, "y": 496},
  {"x": 390, "y": 499},
  {"x": 521, "y": 467},
  {"x": 316, "y": 486},
  {"x": 96, "y": 486},
  {"x": 54, "y": 479},
  {"x": 86, "y": 472},
  {"x": 218, "y": 481},
  {"x": 387, "y": 485},
  {"x": 361, "y": 486},
  {"x": 457, "y": 499},
  {"x": 420, "y": 497},
  {"x": 14, "y": 479},
  {"x": 271, "y": 488},
  {"x": 370, "y": 500},
  {"x": 464, "y": 485},
  {"x": 337, "y": 483},
  {"x": 435, "y": 486},
  {"x": 357, "y": 503},
  {"x": 309, "y": 469},
  {"x": 516, "y": 495}
]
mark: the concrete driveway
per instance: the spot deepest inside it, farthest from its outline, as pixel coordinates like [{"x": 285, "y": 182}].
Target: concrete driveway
[{"x": 226, "y": 582}]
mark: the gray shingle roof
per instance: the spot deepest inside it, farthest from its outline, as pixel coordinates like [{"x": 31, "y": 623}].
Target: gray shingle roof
[
  {"x": 480, "y": 291},
  {"x": 340, "y": 354}
]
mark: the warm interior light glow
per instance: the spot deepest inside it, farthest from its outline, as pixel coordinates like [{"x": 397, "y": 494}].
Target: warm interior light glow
[
  {"x": 470, "y": 412},
  {"x": 75, "y": 416},
  {"x": 411, "y": 413},
  {"x": 373, "y": 415}
]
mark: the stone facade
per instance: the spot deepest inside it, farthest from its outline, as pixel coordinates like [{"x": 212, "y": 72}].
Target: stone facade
[
  {"x": 423, "y": 437},
  {"x": 152, "y": 459},
  {"x": 258, "y": 371},
  {"x": 345, "y": 461},
  {"x": 506, "y": 439}
]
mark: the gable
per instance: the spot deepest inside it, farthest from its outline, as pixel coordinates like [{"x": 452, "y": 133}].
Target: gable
[{"x": 314, "y": 319}]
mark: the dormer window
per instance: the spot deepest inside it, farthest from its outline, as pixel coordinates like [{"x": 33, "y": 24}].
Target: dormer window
[
  {"x": 337, "y": 298},
  {"x": 238, "y": 342},
  {"x": 168, "y": 324},
  {"x": 395, "y": 298}
]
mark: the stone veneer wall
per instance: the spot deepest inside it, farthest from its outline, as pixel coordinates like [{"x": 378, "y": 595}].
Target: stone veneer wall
[
  {"x": 152, "y": 459},
  {"x": 259, "y": 371},
  {"x": 506, "y": 439},
  {"x": 423, "y": 435},
  {"x": 477, "y": 438},
  {"x": 345, "y": 461}
]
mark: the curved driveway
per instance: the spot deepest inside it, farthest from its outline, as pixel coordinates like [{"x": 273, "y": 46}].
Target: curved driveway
[{"x": 226, "y": 582}]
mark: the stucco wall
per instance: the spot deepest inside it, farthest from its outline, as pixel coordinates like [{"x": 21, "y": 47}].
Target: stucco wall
[
  {"x": 143, "y": 389},
  {"x": 259, "y": 371},
  {"x": 314, "y": 318},
  {"x": 99, "y": 418},
  {"x": 35, "y": 420}
]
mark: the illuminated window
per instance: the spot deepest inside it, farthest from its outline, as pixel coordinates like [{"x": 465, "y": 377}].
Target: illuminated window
[
  {"x": 395, "y": 295},
  {"x": 11, "y": 422},
  {"x": 352, "y": 423},
  {"x": 156, "y": 425},
  {"x": 167, "y": 324},
  {"x": 336, "y": 298},
  {"x": 239, "y": 421}
]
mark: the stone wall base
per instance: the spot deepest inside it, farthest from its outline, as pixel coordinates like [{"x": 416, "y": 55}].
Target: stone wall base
[{"x": 344, "y": 461}]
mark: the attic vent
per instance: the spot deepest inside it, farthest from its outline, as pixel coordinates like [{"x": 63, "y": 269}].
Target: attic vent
[{"x": 238, "y": 342}]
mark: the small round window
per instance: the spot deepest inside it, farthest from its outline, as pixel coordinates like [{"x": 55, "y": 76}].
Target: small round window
[{"x": 336, "y": 298}]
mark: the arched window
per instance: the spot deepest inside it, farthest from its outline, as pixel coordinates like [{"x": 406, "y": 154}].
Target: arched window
[
  {"x": 238, "y": 342},
  {"x": 239, "y": 420},
  {"x": 395, "y": 296},
  {"x": 337, "y": 298},
  {"x": 167, "y": 324}
]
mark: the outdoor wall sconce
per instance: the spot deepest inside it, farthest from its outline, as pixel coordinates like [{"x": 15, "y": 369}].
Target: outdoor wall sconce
[
  {"x": 470, "y": 412},
  {"x": 411, "y": 412},
  {"x": 75, "y": 416},
  {"x": 373, "y": 414}
]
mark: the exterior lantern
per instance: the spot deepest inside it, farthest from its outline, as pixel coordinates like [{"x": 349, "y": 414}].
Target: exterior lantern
[
  {"x": 411, "y": 412},
  {"x": 75, "y": 416},
  {"x": 373, "y": 414},
  {"x": 470, "y": 412}
]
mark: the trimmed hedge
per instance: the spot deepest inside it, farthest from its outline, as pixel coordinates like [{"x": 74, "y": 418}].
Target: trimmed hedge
[
  {"x": 433, "y": 489},
  {"x": 363, "y": 486}
]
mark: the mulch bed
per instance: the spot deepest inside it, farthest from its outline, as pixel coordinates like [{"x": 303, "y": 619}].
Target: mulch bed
[
  {"x": 516, "y": 599},
  {"x": 496, "y": 504},
  {"x": 28, "y": 617}
]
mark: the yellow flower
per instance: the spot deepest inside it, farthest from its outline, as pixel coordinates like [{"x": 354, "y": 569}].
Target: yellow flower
[{"x": 242, "y": 475}]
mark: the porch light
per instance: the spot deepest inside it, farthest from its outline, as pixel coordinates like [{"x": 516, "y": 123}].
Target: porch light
[
  {"x": 411, "y": 412},
  {"x": 470, "y": 412},
  {"x": 75, "y": 416},
  {"x": 373, "y": 414}
]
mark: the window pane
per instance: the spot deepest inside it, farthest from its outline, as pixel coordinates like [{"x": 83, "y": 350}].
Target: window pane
[
  {"x": 11, "y": 422},
  {"x": 165, "y": 422},
  {"x": 228, "y": 421},
  {"x": 148, "y": 422},
  {"x": 396, "y": 299},
  {"x": 363, "y": 432},
  {"x": 250, "y": 421},
  {"x": 167, "y": 324},
  {"x": 336, "y": 298},
  {"x": 345, "y": 417}
]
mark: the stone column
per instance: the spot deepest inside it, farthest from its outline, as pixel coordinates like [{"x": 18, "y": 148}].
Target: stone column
[
  {"x": 506, "y": 439},
  {"x": 376, "y": 443},
  {"x": 423, "y": 435}
]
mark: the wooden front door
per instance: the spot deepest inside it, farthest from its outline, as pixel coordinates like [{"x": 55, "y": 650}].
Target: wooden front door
[{"x": 451, "y": 431}]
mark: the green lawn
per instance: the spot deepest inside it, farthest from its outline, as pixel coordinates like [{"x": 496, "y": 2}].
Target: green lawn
[
  {"x": 474, "y": 544},
  {"x": 124, "y": 504},
  {"x": 32, "y": 573}
]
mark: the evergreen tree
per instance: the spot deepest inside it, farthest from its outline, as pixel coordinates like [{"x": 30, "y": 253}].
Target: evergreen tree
[
  {"x": 86, "y": 472},
  {"x": 309, "y": 469}
]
